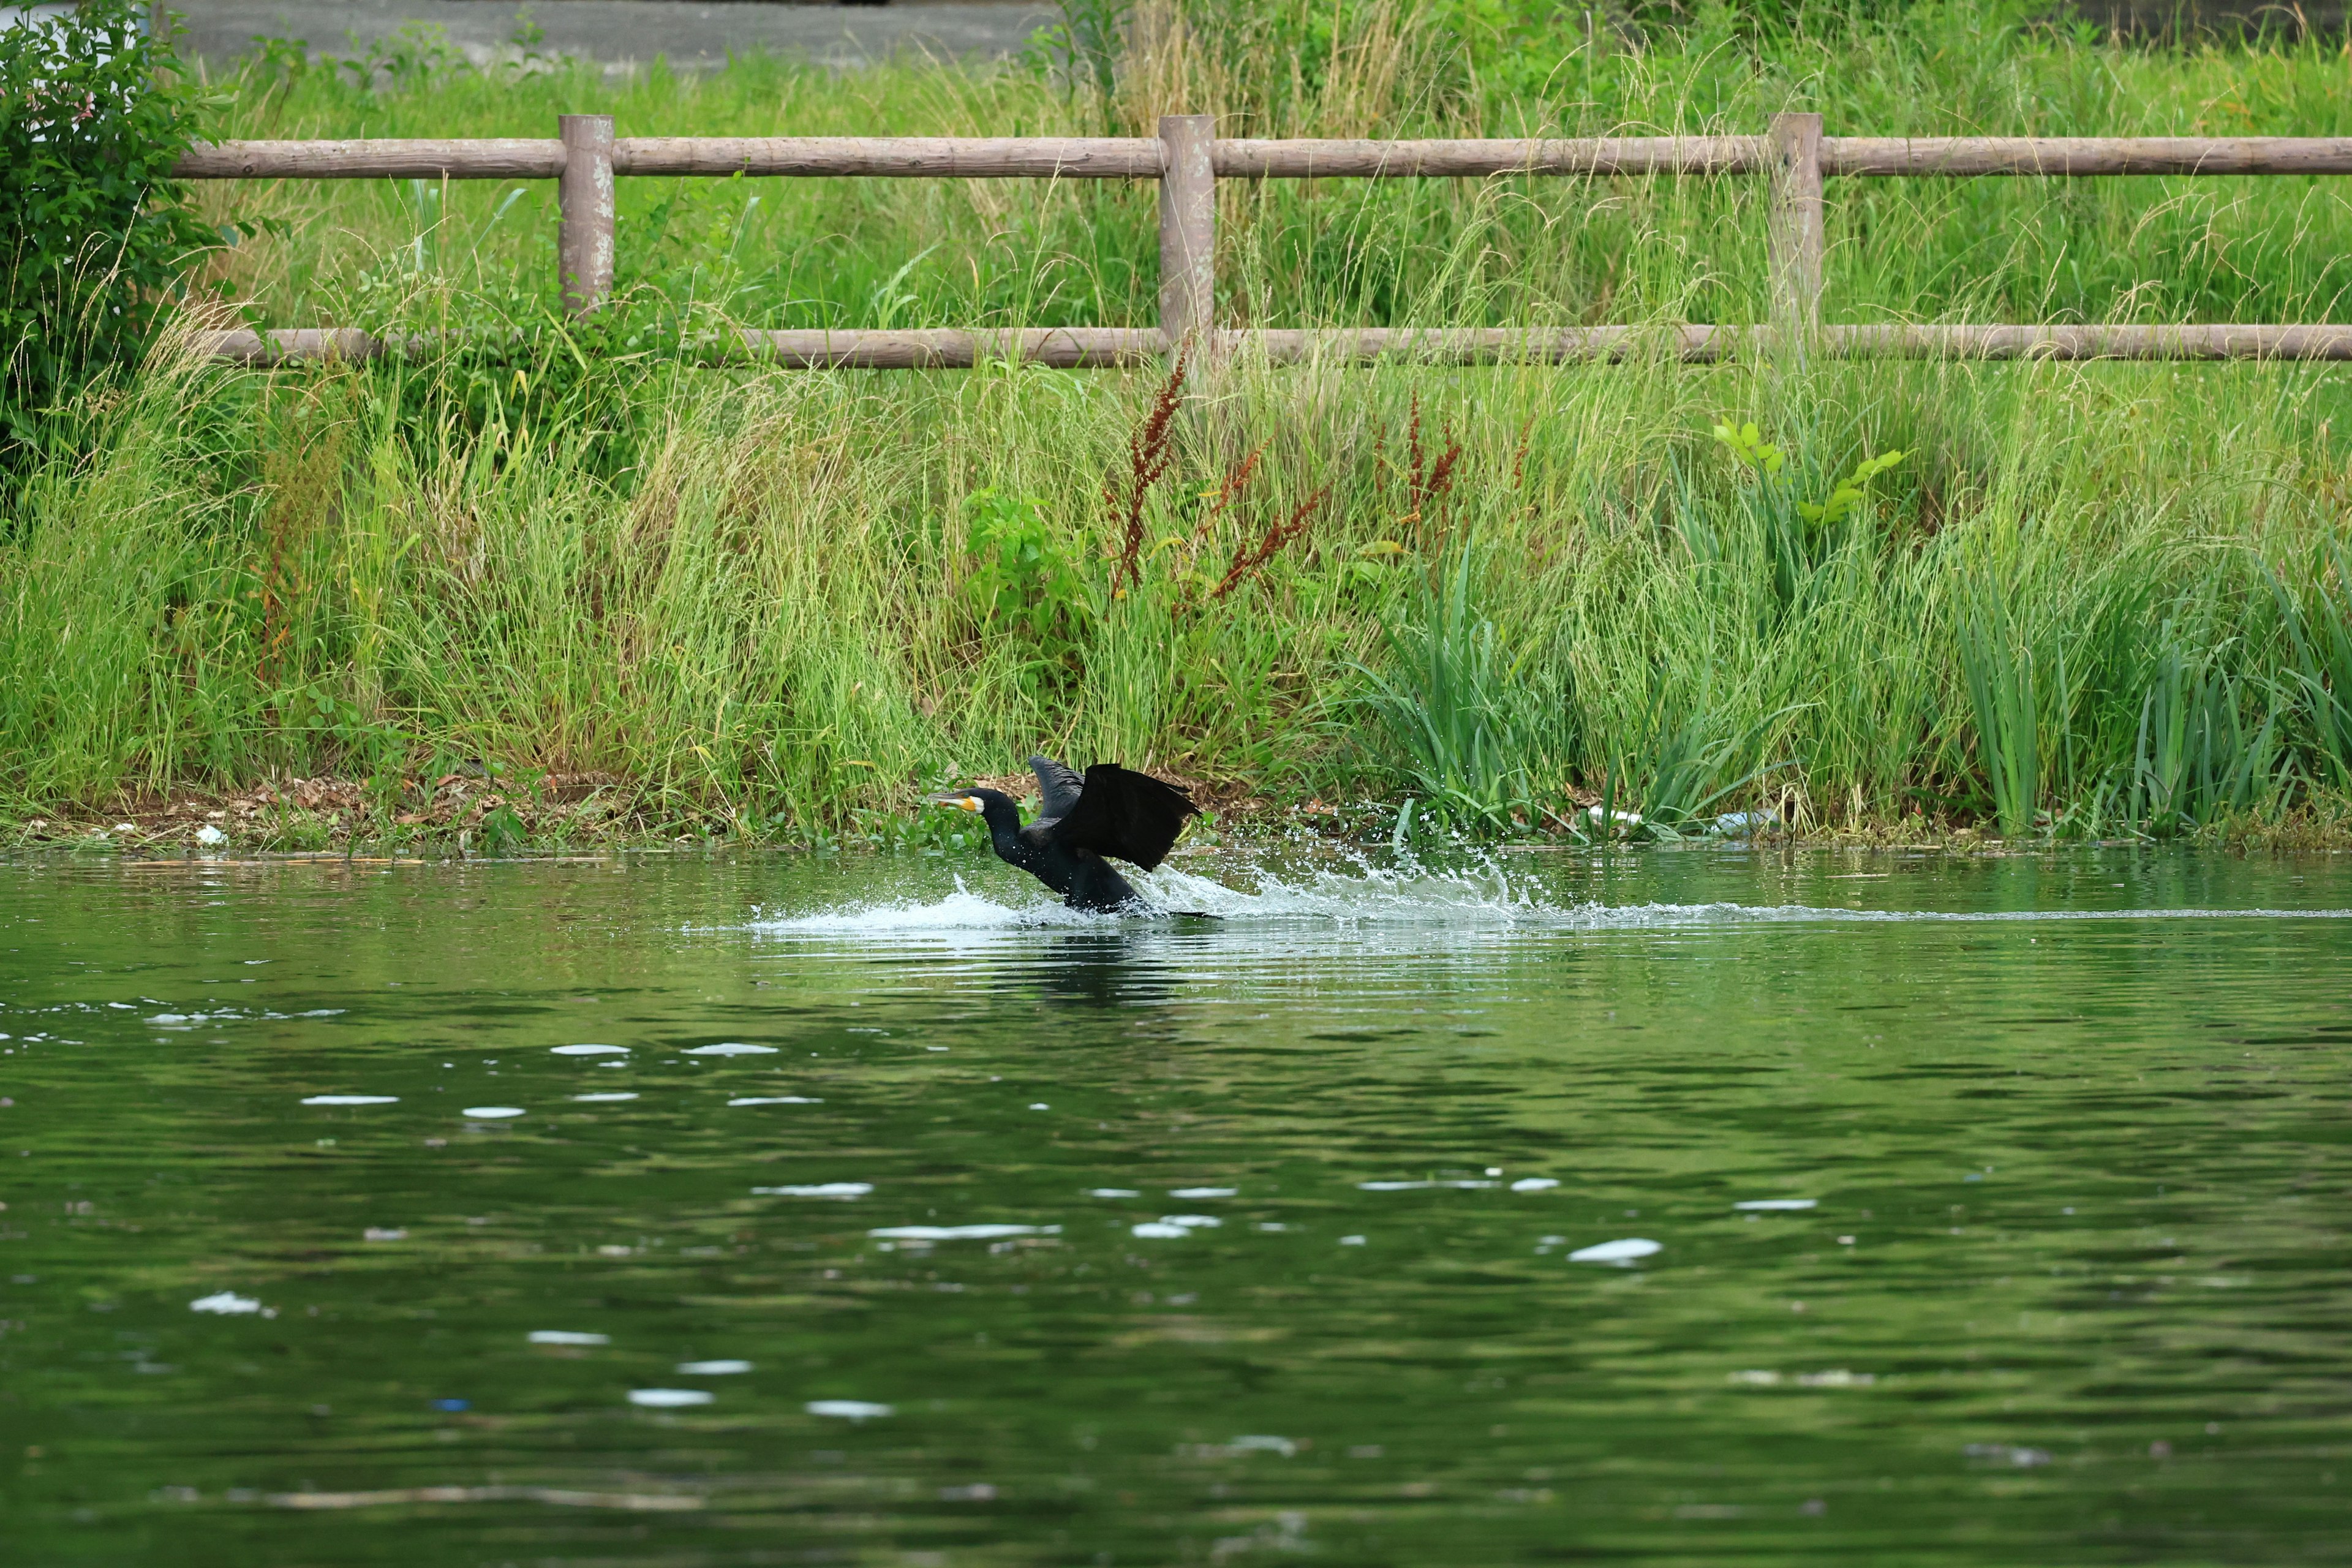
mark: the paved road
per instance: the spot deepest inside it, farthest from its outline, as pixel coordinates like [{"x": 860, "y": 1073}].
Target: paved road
[{"x": 623, "y": 32}]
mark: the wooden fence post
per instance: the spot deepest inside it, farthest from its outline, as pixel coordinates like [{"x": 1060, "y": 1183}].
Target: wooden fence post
[
  {"x": 583, "y": 195},
  {"x": 1188, "y": 228},
  {"x": 1796, "y": 236}
]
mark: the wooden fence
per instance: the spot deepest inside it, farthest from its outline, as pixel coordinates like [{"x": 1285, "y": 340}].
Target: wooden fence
[{"x": 1188, "y": 160}]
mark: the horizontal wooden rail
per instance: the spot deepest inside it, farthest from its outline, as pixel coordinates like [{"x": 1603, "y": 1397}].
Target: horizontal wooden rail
[
  {"x": 2075, "y": 157},
  {"x": 385, "y": 158},
  {"x": 935, "y": 157},
  {"x": 1138, "y": 158},
  {"x": 1091, "y": 347},
  {"x": 1325, "y": 160}
]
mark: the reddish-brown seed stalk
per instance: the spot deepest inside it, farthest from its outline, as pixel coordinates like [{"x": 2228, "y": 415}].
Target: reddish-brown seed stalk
[
  {"x": 1148, "y": 452},
  {"x": 1249, "y": 561}
]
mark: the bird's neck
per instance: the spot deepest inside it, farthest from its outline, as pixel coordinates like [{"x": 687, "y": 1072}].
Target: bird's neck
[{"x": 1003, "y": 819}]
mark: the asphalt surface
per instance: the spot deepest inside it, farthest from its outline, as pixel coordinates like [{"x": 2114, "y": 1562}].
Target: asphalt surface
[{"x": 624, "y": 32}]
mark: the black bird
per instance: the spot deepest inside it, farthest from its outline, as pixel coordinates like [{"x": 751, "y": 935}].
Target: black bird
[{"x": 1112, "y": 811}]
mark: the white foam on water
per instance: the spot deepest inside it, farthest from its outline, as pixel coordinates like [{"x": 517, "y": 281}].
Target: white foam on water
[
  {"x": 1480, "y": 897},
  {"x": 1620, "y": 1253},
  {"x": 494, "y": 1112},
  {"x": 567, "y": 1337},
  {"x": 1203, "y": 1191},
  {"x": 385, "y": 1233},
  {"x": 732, "y": 1048},
  {"x": 960, "y": 1232},
  {"x": 1113, "y": 1193},
  {"x": 849, "y": 1409},
  {"x": 589, "y": 1050},
  {"x": 1265, "y": 1444},
  {"x": 817, "y": 1190},
  {"x": 774, "y": 1100},
  {"x": 1156, "y": 1230},
  {"x": 605, "y": 1098},
  {"x": 1191, "y": 1221},
  {"x": 1534, "y": 1183},
  {"x": 228, "y": 1303},
  {"x": 1777, "y": 1204},
  {"x": 669, "y": 1399},
  {"x": 962, "y": 910},
  {"x": 713, "y": 1368},
  {"x": 1419, "y": 1187},
  {"x": 352, "y": 1100}
]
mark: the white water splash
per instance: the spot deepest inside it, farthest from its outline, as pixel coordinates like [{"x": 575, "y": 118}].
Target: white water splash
[
  {"x": 848, "y": 1409},
  {"x": 1620, "y": 1254},
  {"x": 669, "y": 1399},
  {"x": 1480, "y": 899},
  {"x": 962, "y": 910}
]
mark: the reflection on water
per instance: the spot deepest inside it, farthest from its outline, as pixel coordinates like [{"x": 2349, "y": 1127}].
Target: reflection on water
[{"x": 1703, "y": 1206}]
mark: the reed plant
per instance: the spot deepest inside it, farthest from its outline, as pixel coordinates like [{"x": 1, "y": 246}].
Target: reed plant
[{"x": 2089, "y": 598}]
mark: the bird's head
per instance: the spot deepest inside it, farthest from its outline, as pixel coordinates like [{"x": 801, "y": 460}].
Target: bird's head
[{"x": 992, "y": 805}]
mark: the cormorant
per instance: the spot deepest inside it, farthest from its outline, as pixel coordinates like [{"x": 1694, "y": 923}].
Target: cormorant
[{"x": 1112, "y": 811}]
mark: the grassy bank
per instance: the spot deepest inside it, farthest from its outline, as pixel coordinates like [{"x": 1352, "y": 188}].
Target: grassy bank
[{"x": 2087, "y": 600}]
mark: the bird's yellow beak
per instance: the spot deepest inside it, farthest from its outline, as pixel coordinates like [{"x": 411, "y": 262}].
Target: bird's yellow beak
[{"x": 961, "y": 802}]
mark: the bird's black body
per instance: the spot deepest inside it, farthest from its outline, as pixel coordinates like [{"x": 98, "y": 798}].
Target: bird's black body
[{"x": 1111, "y": 812}]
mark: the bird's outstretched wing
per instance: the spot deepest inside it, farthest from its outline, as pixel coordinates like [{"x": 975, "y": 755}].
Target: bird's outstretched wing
[
  {"x": 1130, "y": 815},
  {"x": 1057, "y": 786}
]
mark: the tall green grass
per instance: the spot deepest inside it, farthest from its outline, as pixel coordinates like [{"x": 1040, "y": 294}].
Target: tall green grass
[{"x": 2091, "y": 598}]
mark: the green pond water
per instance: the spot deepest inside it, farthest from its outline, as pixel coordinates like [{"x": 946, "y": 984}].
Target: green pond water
[{"x": 1288, "y": 1220}]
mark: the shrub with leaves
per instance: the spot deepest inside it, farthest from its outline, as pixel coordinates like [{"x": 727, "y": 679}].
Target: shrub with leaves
[
  {"x": 1019, "y": 581},
  {"x": 95, "y": 238}
]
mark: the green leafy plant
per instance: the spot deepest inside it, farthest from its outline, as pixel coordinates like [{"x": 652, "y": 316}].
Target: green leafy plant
[
  {"x": 503, "y": 832},
  {"x": 1746, "y": 443},
  {"x": 1018, "y": 580},
  {"x": 1848, "y": 491},
  {"x": 1084, "y": 47},
  {"x": 95, "y": 235}
]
